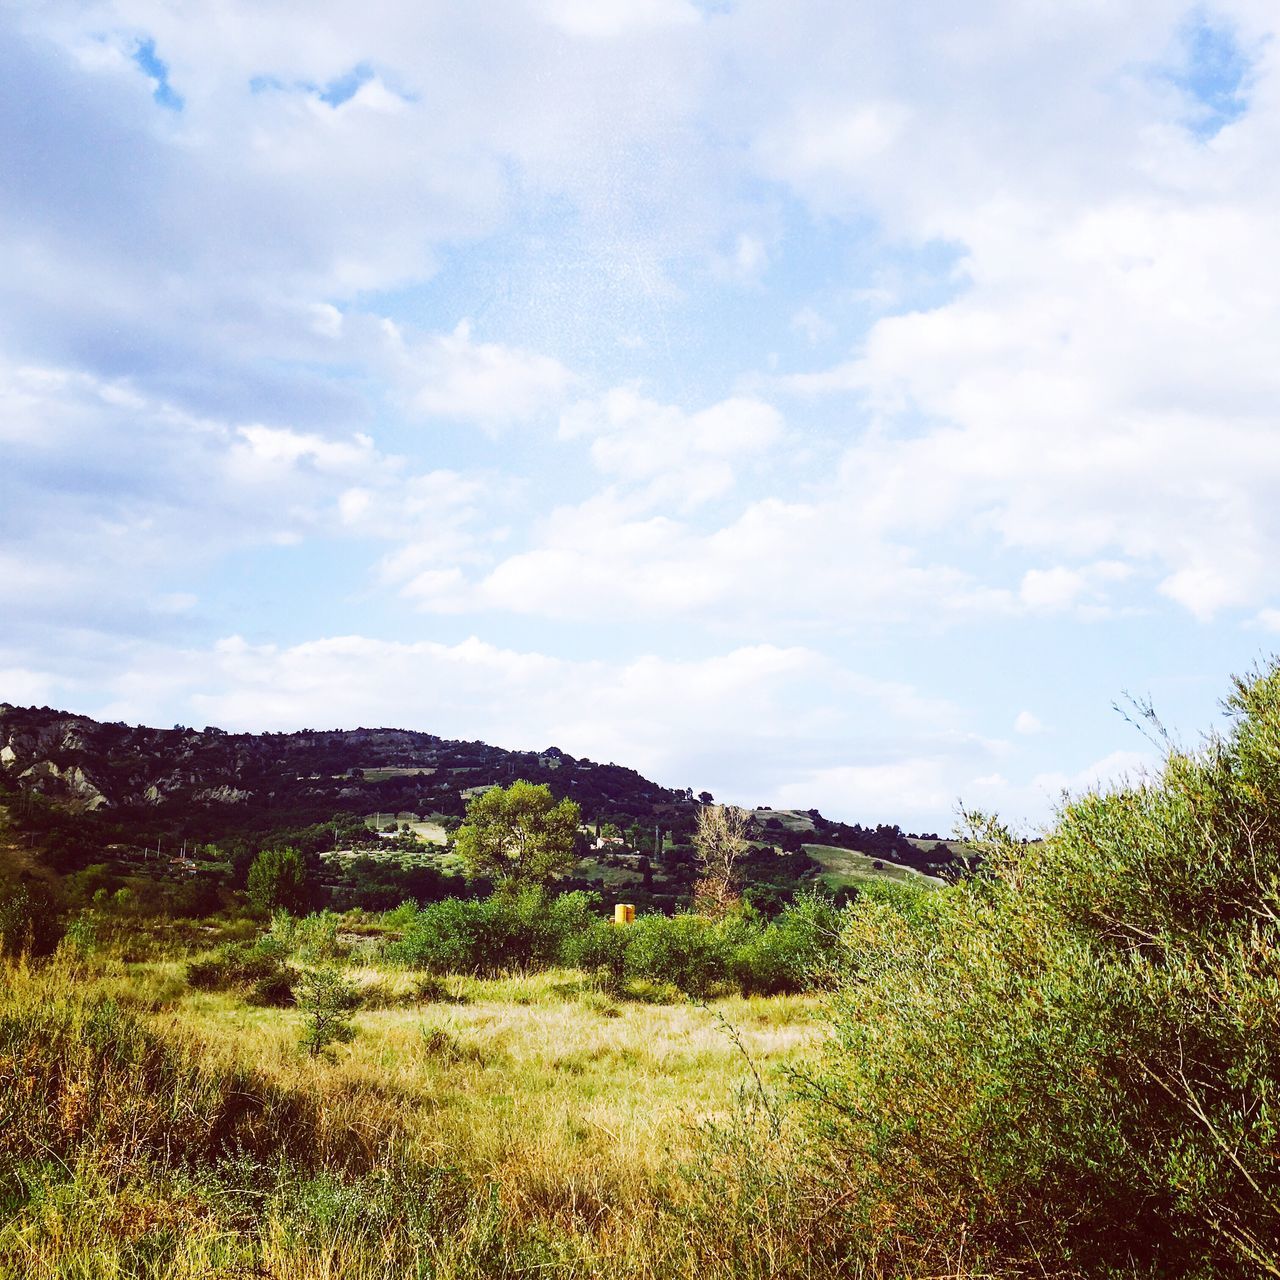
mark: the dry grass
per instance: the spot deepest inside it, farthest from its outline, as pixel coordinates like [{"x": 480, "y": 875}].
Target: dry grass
[
  {"x": 557, "y": 1118},
  {"x": 536, "y": 1073}
]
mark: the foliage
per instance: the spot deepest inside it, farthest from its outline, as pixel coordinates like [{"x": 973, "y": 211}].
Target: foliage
[
  {"x": 687, "y": 951},
  {"x": 258, "y": 969},
  {"x": 1078, "y": 1056},
  {"x": 503, "y": 933},
  {"x": 328, "y": 999},
  {"x": 278, "y": 879},
  {"x": 312, "y": 938},
  {"x": 599, "y": 949},
  {"x": 519, "y": 835},
  {"x": 29, "y": 920},
  {"x": 692, "y": 953},
  {"x": 798, "y": 951}
]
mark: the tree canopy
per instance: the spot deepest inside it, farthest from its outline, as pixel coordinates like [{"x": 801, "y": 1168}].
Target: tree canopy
[
  {"x": 519, "y": 835},
  {"x": 278, "y": 878}
]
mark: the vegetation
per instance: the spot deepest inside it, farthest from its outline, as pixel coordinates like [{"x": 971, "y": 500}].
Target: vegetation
[
  {"x": 1066, "y": 1066},
  {"x": 518, "y": 836},
  {"x": 1072, "y": 1064},
  {"x": 719, "y": 842},
  {"x": 278, "y": 879},
  {"x": 328, "y": 999}
]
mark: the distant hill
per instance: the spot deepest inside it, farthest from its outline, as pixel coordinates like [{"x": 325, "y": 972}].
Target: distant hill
[
  {"x": 215, "y": 779},
  {"x": 84, "y": 788}
]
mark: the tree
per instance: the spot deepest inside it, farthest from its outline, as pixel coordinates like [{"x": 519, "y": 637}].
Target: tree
[
  {"x": 519, "y": 835},
  {"x": 328, "y": 1000},
  {"x": 278, "y": 878},
  {"x": 719, "y": 843}
]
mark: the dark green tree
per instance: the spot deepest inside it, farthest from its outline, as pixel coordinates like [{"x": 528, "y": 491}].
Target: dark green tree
[
  {"x": 29, "y": 920},
  {"x": 278, "y": 878},
  {"x": 519, "y": 835}
]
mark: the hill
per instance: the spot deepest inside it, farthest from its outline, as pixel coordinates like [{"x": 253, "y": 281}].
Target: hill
[{"x": 185, "y": 801}]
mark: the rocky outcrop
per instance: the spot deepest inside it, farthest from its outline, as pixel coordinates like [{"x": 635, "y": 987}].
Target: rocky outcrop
[
  {"x": 71, "y": 782},
  {"x": 222, "y": 795}
]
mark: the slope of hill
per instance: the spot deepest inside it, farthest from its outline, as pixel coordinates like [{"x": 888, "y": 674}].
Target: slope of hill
[
  {"x": 86, "y": 791},
  {"x": 235, "y": 778}
]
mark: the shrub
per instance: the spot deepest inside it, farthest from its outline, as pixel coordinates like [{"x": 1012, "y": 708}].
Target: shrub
[
  {"x": 29, "y": 921},
  {"x": 688, "y": 951},
  {"x": 798, "y": 951},
  {"x": 599, "y": 949},
  {"x": 498, "y": 934},
  {"x": 315, "y": 938},
  {"x": 327, "y": 999},
  {"x": 1078, "y": 1056},
  {"x": 274, "y": 991},
  {"x": 241, "y": 965},
  {"x": 83, "y": 933}
]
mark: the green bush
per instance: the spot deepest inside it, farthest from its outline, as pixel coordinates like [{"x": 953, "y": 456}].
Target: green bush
[
  {"x": 599, "y": 949},
  {"x": 255, "y": 966},
  {"x": 1074, "y": 1062},
  {"x": 798, "y": 951},
  {"x": 498, "y": 934},
  {"x": 688, "y": 951}
]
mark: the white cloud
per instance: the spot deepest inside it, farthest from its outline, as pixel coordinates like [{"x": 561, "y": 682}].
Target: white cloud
[
  {"x": 1027, "y": 723},
  {"x": 611, "y": 19},
  {"x": 453, "y": 376},
  {"x": 1118, "y": 769},
  {"x": 1057, "y": 589},
  {"x": 668, "y": 456},
  {"x": 875, "y": 790}
]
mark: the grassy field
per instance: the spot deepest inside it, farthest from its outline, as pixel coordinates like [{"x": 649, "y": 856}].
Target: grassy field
[
  {"x": 555, "y": 1124},
  {"x": 845, "y": 868}
]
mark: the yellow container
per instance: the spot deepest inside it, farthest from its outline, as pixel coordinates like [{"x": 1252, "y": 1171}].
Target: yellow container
[{"x": 624, "y": 913}]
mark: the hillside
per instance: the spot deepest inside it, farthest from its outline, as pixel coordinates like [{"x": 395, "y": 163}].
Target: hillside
[{"x": 87, "y": 792}]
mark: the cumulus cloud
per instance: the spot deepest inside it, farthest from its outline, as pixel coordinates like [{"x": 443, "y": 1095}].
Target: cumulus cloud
[{"x": 240, "y": 248}]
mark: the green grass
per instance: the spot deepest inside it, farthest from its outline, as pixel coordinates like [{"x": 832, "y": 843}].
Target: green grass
[{"x": 844, "y": 868}]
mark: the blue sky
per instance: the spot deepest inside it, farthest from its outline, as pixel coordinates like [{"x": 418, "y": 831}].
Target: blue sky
[{"x": 820, "y": 404}]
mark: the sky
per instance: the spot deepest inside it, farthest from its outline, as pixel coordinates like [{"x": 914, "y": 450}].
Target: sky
[{"x": 822, "y": 404}]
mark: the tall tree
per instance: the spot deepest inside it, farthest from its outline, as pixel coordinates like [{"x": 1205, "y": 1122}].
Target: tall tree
[
  {"x": 519, "y": 835},
  {"x": 719, "y": 843}
]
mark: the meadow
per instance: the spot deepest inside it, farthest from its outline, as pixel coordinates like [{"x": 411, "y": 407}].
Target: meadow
[{"x": 471, "y": 1127}]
